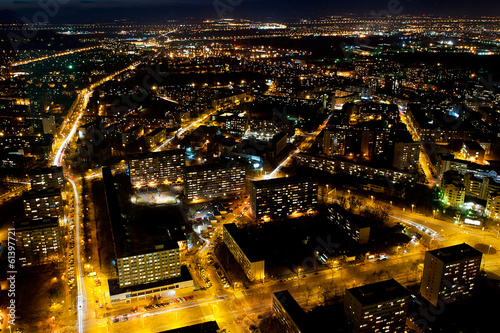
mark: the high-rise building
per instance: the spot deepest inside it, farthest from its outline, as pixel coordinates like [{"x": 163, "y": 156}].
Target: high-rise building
[
  {"x": 289, "y": 313},
  {"x": 145, "y": 250},
  {"x": 44, "y": 178},
  {"x": 155, "y": 168},
  {"x": 377, "y": 307},
  {"x": 450, "y": 273},
  {"x": 280, "y": 197},
  {"x": 209, "y": 181},
  {"x": 38, "y": 242},
  {"x": 334, "y": 142},
  {"x": 406, "y": 155},
  {"x": 241, "y": 248},
  {"x": 43, "y": 204}
]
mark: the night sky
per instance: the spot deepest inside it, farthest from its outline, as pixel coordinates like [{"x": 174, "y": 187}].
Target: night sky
[{"x": 75, "y": 11}]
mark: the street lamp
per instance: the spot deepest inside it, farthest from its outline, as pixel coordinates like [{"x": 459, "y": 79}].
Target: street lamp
[{"x": 412, "y": 206}]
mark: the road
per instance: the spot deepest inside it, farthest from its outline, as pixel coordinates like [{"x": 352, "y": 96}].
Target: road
[
  {"x": 60, "y": 54},
  {"x": 65, "y": 137},
  {"x": 440, "y": 232},
  {"x": 306, "y": 144}
]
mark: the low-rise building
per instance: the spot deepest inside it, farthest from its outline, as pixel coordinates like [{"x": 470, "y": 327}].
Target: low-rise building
[
  {"x": 453, "y": 189},
  {"x": 155, "y": 138},
  {"x": 353, "y": 226}
]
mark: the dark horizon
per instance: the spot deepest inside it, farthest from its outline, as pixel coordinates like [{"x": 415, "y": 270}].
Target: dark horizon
[{"x": 277, "y": 10}]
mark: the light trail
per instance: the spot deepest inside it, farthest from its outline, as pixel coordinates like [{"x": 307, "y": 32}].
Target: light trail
[
  {"x": 169, "y": 100},
  {"x": 60, "y": 153},
  {"x": 81, "y": 303},
  {"x": 304, "y": 144}
]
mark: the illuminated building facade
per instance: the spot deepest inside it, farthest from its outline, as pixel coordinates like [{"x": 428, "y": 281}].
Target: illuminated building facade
[
  {"x": 43, "y": 204},
  {"x": 161, "y": 263},
  {"x": 353, "y": 226},
  {"x": 239, "y": 246},
  {"x": 45, "y": 178},
  {"x": 155, "y": 138},
  {"x": 209, "y": 181},
  {"x": 352, "y": 168},
  {"x": 155, "y": 168},
  {"x": 38, "y": 242},
  {"x": 377, "y": 307},
  {"x": 453, "y": 189},
  {"x": 406, "y": 155},
  {"x": 450, "y": 273},
  {"x": 289, "y": 313},
  {"x": 280, "y": 197},
  {"x": 493, "y": 206}
]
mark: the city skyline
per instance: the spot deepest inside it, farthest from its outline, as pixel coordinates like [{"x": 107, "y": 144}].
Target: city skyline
[{"x": 249, "y": 166}]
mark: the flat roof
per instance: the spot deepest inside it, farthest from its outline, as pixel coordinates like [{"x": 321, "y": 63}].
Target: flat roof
[
  {"x": 281, "y": 181},
  {"x": 207, "y": 327},
  {"x": 40, "y": 171},
  {"x": 455, "y": 252},
  {"x": 292, "y": 308},
  {"x": 246, "y": 241},
  {"x": 42, "y": 193},
  {"x": 359, "y": 221},
  {"x": 379, "y": 292},
  {"x": 37, "y": 224},
  {"x": 210, "y": 166},
  {"x": 473, "y": 145},
  {"x": 143, "y": 229},
  {"x": 156, "y": 131},
  {"x": 156, "y": 154}
]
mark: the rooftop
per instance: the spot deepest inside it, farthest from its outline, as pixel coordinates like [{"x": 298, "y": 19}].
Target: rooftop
[
  {"x": 43, "y": 193},
  {"x": 281, "y": 181},
  {"x": 140, "y": 230},
  {"x": 379, "y": 292},
  {"x": 456, "y": 253},
  {"x": 473, "y": 145},
  {"x": 40, "y": 171},
  {"x": 292, "y": 308},
  {"x": 37, "y": 224},
  {"x": 157, "y": 154}
]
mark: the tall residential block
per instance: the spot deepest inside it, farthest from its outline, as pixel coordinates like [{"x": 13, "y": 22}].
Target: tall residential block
[
  {"x": 45, "y": 178},
  {"x": 377, "y": 307},
  {"x": 240, "y": 246},
  {"x": 406, "y": 155},
  {"x": 43, "y": 204},
  {"x": 280, "y": 197},
  {"x": 290, "y": 315},
  {"x": 38, "y": 242},
  {"x": 209, "y": 181},
  {"x": 450, "y": 273},
  {"x": 156, "y": 168}
]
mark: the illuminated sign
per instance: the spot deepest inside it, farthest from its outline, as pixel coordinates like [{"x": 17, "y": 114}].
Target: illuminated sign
[{"x": 473, "y": 222}]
